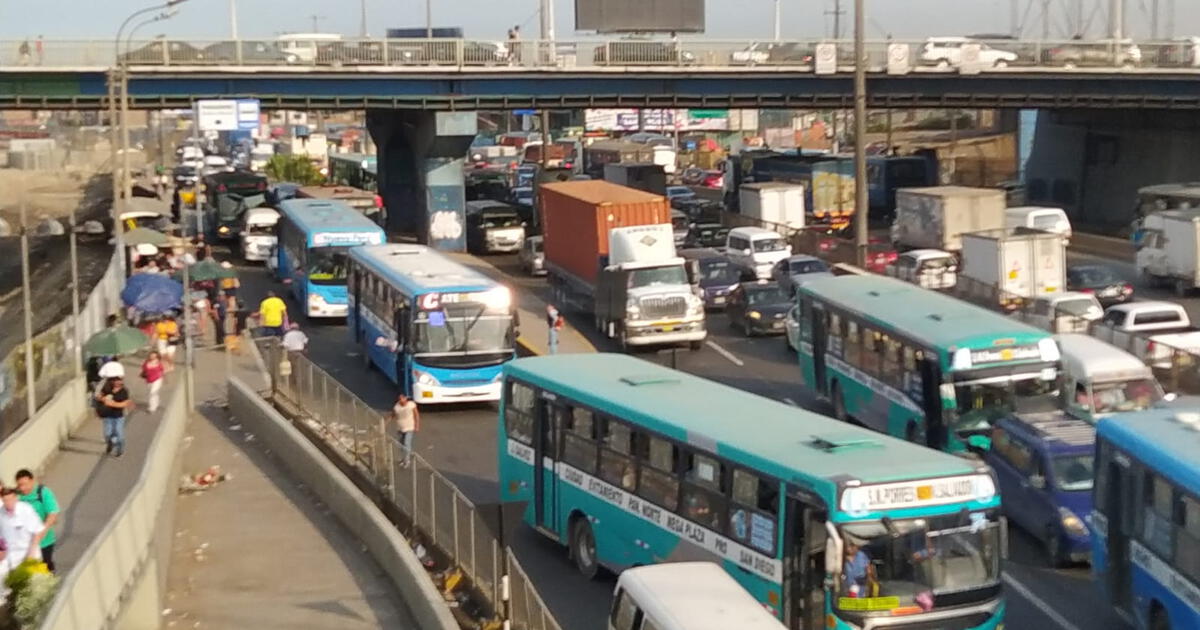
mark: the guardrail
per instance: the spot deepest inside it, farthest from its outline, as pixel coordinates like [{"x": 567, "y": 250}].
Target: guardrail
[
  {"x": 93, "y": 592},
  {"x": 440, "y": 517},
  {"x": 892, "y": 56}
]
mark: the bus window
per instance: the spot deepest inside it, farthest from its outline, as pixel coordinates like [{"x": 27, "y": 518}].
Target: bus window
[
  {"x": 579, "y": 446},
  {"x": 518, "y": 412},
  {"x": 658, "y": 483},
  {"x": 703, "y": 495},
  {"x": 752, "y": 518},
  {"x": 616, "y": 461}
]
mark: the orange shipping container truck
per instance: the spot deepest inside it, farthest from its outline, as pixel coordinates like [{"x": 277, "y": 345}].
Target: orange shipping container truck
[
  {"x": 610, "y": 252},
  {"x": 577, "y": 215}
]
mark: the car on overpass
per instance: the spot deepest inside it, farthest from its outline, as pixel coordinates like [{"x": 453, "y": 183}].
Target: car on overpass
[
  {"x": 946, "y": 52},
  {"x": 154, "y": 54},
  {"x": 252, "y": 53},
  {"x": 641, "y": 52},
  {"x": 1105, "y": 53}
]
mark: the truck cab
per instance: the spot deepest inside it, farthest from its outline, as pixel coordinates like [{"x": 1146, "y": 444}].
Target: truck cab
[{"x": 493, "y": 227}]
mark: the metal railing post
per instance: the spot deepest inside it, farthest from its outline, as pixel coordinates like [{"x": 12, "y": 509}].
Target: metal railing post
[
  {"x": 454, "y": 520},
  {"x": 433, "y": 508}
]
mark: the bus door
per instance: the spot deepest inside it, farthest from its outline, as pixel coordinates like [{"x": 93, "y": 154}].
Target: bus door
[
  {"x": 817, "y": 319},
  {"x": 1120, "y": 512},
  {"x": 804, "y": 564},
  {"x": 400, "y": 355},
  {"x": 545, "y": 456},
  {"x": 931, "y": 397}
]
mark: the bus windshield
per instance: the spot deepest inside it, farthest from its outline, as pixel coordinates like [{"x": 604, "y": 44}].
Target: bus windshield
[
  {"x": 327, "y": 265},
  {"x": 462, "y": 329},
  {"x": 982, "y": 402},
  {"x": 916, "y": 560},
  {"x": 1133, "y": 395}
]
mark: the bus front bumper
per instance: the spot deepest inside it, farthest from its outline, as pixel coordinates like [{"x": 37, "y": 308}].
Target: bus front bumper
[
  {"x": 322, "y": 309},
  {"x": 436, "y": 394}
]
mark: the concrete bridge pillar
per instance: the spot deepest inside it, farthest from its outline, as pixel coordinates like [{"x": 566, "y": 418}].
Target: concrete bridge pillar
[{"x": 421, "y": 160}]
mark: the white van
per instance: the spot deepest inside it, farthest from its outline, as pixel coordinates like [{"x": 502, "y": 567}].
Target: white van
[
  {"x": 302, "y": 47},
  {"x": 258, "y": 233},
  {"x": 685, "y": 596},
  {"x": 1098, "y": 379},
  {"x": 1039, "y": 218},
  {"x": 755, "y": 250},
  {"x": 1066, "y": 312}
]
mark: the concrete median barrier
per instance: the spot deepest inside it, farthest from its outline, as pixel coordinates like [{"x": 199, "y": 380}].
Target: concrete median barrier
[{"x": 356, "y": 511}]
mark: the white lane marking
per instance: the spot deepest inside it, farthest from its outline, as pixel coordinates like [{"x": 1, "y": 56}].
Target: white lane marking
[
  {"x": 790, "y": 402},
  {"x": 1052, "y": 614},
  {"x": 725, "y": 353}
]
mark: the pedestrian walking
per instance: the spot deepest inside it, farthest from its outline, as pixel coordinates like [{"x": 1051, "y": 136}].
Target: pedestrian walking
[
  {"x": 229, "y": 286},
  {"x": 43, "y": 501},
  {"x": 294, "y": 340},
  {"x": 219, "y": 309},
  {"x": 23, "y": 53},
  {"x": 153, "y": 371},
  {"x": 21, "y": 530},
  {"x": 272, "y": 315},
  {"x": 166, "y": 340},
  {"x": 554, "y": 324},
  {"x": 114, "y": 402},
  {"x": 40, "y": 48},
  {"x": 407, "y": 418}
]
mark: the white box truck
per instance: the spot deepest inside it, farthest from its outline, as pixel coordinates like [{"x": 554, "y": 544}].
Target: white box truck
[
  {"x": 936, "y": 217},
  {"x": 1021, "y": 263},
  {"x": 774, "y": 202},
  {"x": 1170, "y": 249}
]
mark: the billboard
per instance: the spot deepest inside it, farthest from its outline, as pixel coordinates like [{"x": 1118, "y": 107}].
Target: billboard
[
  {"x": 639, "y": 16},
  {"x": 664, "y": 120}
]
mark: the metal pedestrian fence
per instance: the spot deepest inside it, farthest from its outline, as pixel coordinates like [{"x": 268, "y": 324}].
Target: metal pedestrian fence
[{"x": 450, "y": 532}]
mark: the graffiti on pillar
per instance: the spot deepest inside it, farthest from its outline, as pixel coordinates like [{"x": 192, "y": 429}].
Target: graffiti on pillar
[{"x": 447, "y": 215}]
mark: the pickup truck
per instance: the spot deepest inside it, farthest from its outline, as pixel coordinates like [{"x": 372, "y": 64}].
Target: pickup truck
[{"x": 1163, "y": 325}]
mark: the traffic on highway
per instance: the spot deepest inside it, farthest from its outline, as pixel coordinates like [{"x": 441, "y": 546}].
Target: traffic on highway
[{"x": 981, "y": 429}]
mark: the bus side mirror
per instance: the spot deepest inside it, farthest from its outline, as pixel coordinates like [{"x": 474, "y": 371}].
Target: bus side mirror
[{"x": 833, "y": 556}]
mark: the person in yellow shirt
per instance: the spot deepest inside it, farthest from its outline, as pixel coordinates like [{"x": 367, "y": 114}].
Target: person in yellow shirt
[
  {"x": 272, "y": 315},
  {"x": 166, "y": 338}
]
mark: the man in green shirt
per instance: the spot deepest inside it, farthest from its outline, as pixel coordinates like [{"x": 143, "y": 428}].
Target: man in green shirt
[{"x": 45, "y": 504}]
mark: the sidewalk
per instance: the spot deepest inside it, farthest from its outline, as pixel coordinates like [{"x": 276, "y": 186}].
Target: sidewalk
[
  {"x": 535, "y": 332},
  {"x": 258, "y": 551}
]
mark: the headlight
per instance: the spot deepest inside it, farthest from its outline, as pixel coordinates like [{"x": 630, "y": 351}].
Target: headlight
[
  {"x": 632, "y": 309},
  {"x": 424, "y": 378},
  {"x": 1073, "y": 524},
  {"x": 754, "y": 315},
  {"x": 315, "y": 299},
  {"x": 695, "y": 305},
  {"x": 224, "y": 229}
]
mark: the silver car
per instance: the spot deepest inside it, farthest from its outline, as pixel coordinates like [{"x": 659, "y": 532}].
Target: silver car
[{"x": 533, "y": 260}]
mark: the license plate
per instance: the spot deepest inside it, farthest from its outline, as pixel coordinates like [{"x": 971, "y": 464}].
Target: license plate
[
  {"x": 1109, "y": 292},
  {"x": 426, "y": 394},
  {"x": 668, "y": 328},
  {"x": 719, "y": 300},
  {"x": 777, "y": 325}
]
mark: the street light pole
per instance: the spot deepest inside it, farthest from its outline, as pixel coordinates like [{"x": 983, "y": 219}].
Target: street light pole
[
  {"x": 362, "y": 27},
  {"x": 429, "y": 19},
  {"x": 861, "y": 209},
  {"x": 778, "y": 15},
  {"x": 27, "y": 306},
  {"x": 233, "y": 30}
]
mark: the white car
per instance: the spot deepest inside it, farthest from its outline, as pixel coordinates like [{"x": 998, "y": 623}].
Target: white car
[
  {"x": 946, "y": 52},
  {"x": 926, "y": 268}
]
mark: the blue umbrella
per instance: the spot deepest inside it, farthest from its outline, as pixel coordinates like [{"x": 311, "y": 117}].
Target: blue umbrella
[{"x": 152, "y": 293}]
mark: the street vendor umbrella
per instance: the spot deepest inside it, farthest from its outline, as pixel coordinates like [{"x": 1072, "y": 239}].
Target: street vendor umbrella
[
  {"x": 152, "y": 293},
  {"x": 116, "y": 340},
  {"x": 145, "y": 236},
  {"x": 205, "y": 271}
]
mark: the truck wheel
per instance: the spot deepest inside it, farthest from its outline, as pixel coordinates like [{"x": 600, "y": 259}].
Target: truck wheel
[{"x": 695, "y": 345}]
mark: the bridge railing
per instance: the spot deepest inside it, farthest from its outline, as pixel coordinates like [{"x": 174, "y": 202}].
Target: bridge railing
[{"x": 949, "y": 55}]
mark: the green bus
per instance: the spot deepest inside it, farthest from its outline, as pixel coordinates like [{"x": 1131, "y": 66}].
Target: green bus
[
  {"x": 917, "y": 364},
  {"x": 828, "y": 525}
]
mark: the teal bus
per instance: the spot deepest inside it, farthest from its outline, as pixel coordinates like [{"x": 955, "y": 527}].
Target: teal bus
[
  {"x": 917, "y": 364},
  {"x": 827, "y": 525}
]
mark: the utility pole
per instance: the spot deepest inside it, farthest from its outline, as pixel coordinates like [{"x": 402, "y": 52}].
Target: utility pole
[
  {"x": 861, "y": 232},
  {"x": 362, "y": 27},
  {"x": 837, "y": 18},
  {"x": 429, "y": 19},
  {"x": 1116, "y": 19},
  {"x": 77, "y": 332},
  {"x": 1170, "y": 34},
  {"x": 126, "y": 174},
  {"x": 316, "y": 22},
  {"x": 27, "y": 305},
  {"x": 1154, "y": 20},
  {"x": 233, "y": 30},
  {"x": 778, "y": 16},
  {"x": 1014, "y": 19},
  {"x": 1045, "y": 20}
]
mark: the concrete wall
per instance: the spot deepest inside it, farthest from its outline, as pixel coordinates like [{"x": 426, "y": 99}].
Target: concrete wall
[
  {"x": 38, "y": 439},
  {"x": 1093, "y": 162},
  {"x": 119, "y": 577},
  {"x": 356, "y": 512}
]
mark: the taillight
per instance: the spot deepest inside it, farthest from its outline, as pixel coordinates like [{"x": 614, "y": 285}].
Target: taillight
[
  {"x": 378, "y": 201},
  {"x": 1127, "y": 289},
  {"x": 1087, "y": 290},
  {"x": 1151, "y": 346}
]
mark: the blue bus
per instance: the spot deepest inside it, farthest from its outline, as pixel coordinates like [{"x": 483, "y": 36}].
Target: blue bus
[
  {"x": 827, "y": 525},
  {"x": 314, "y": 237},
  {"x": 438, "y": 329},
  {"x": 1146, "y": 519}
]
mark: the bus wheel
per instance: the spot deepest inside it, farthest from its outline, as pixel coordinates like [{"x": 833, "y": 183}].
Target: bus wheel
[
  {"x": 839, "y": 405},
  {"x": 583, "y": 548}
]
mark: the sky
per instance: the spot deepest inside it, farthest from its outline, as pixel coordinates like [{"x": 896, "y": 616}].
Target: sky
[{"x": 485, "y": 19}]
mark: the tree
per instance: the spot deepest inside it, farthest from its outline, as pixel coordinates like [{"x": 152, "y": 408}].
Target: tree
[{"x": 293, "y": 168}]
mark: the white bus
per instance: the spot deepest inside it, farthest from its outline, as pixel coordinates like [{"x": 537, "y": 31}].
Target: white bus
[{"x": 685, "y": 596}]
